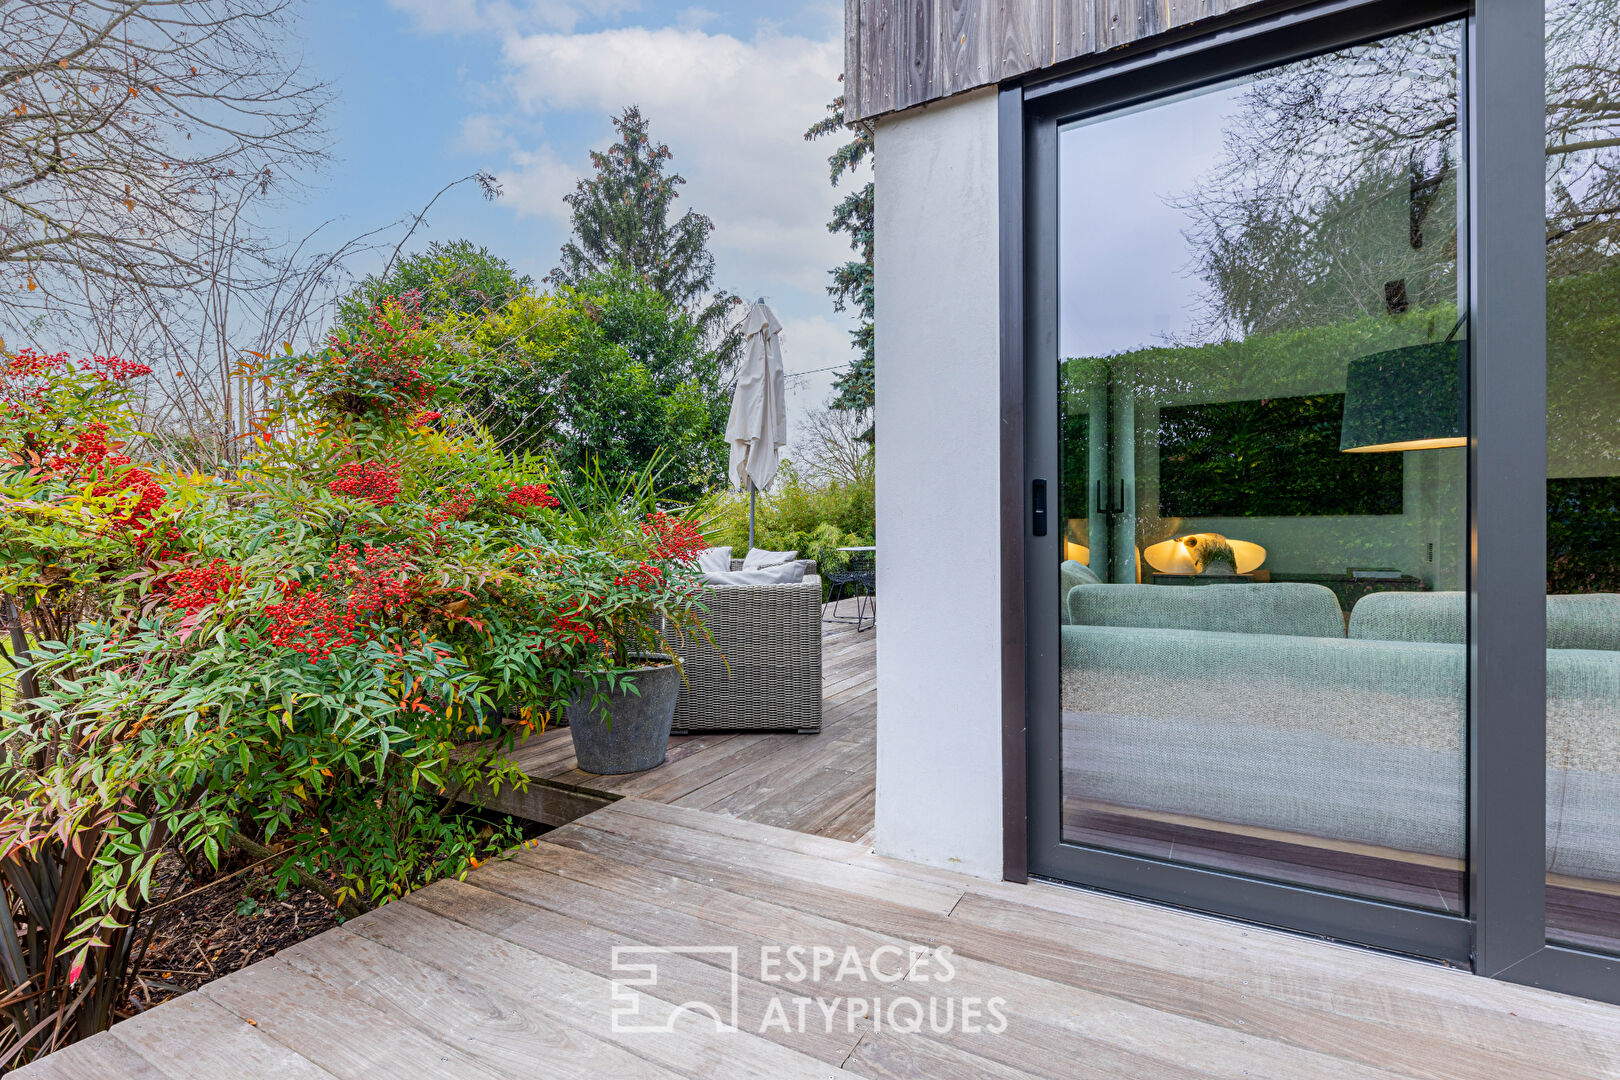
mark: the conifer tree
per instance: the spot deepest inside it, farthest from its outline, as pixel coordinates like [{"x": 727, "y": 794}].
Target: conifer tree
[
  {"x": 622, "y": 219},
  {"x": 852, "y": 281}
]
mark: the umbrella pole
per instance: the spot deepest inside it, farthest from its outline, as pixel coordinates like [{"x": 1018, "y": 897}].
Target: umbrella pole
[{"x": 753, "y": 498}]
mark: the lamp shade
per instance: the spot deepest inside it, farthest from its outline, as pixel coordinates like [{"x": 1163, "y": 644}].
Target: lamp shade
[
  {"x": 1406, "y": 399},
  {"x": 1201, "y": 553}
]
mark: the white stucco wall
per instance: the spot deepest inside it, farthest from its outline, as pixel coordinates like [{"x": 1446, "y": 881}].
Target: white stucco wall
[{"x": 939, "y": 796}]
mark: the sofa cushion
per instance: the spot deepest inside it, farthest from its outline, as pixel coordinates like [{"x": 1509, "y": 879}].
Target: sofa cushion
[
  {"x": 1581, "y": 621},
  {"x": 789, "y": 573},
  {"x": 1411, "y": 616},
  {"x": 1073, "y": 573},
  {"x": 758, "y": 558},
  {"x": 1290, "y": 608},
  {"x": 1584, "y": 621},
  {"x": 715, "y": 560},
  {"x": 1349, "y": 740}
]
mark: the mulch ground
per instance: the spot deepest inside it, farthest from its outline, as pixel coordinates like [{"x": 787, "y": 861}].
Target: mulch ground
[
  {"x": 213, "y": 928},
  {"x": 210, "y": 926}
]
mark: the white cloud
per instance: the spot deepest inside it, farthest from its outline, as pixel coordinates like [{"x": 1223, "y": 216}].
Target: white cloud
[
  {"x": 475, "y": 16},
  {"x": 733, "y": 111},
  {"x": 482, "y": 133},
  {"x": 536, "y": 182},
  {"x": 732, "y": 106}
]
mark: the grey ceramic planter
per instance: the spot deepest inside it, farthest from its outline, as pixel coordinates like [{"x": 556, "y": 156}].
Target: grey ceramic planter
[{"x": 631, "y": 733}]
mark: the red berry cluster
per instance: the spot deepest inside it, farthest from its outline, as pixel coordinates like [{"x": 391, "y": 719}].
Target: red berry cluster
[
  {"x": 150, "y": 495},
  {"x": 455, "y": 508},
  {"x": 519, "y": 495},
  {"x": 572, "y": 631},
  {"x": 645, "y": 577},
  {"x": 85, "y": 456},
  {"x": 196, "y": 587},
  {"x": 423, "y": 419},
  {"x": 375, "y": 481},
  {"x": 378, "y": 584},
  {"x": 117, "y": 369},
  {"x": 25, "y": 381},
  {"x": 673, "y": 538}
]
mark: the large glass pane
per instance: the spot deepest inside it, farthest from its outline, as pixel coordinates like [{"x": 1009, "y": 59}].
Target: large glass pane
[
  {"x": 1262, "y": 479},
  {"x": 1583, "y": 473}
]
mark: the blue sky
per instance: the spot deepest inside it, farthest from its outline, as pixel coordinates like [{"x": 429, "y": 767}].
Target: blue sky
[{"x": 431, "y": 90}]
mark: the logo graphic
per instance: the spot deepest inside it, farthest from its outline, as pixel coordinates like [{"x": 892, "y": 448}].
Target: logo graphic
[{"x": 637, "y": 965}]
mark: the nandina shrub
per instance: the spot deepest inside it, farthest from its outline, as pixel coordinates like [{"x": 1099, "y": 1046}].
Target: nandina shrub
[{"x": 323, "y": 650}]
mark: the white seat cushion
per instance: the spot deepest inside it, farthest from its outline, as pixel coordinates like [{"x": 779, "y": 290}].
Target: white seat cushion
[
  {"x": 758, "y": 559},
  {"x": 790, "y": 573},
  {"x": 715, "y": 560}
]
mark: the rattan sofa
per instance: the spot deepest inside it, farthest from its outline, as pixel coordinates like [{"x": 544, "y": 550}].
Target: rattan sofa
[{"x": 762, "y": 669}]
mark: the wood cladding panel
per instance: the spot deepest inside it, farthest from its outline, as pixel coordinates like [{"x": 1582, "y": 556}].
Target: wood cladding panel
[{"x": 900, "y": 53}]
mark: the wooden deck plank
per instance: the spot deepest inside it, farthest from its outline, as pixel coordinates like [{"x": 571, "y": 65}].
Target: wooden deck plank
[
  {"x": 348, "y": 1038},
  {"x": 1044, "y": 1032},
  {"x": 566, "y": 921},
  {"x": 200, "y": 1040},
  {"x": 97, "y": 1058},
  {"x": 690, "y": 1046},
  {"x": 770, "y": 777},
  {"x": 503, "y": 1031},
  {"x": 509, "y": 974},
  {"x": 1141, "y": 954}
]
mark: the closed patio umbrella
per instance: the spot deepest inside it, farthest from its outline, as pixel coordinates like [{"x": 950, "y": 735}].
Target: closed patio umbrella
[{"x": 757, "y": 427}]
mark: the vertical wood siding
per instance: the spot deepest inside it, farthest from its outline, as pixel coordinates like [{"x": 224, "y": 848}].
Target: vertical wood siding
[{"x": 899, "y": 53}]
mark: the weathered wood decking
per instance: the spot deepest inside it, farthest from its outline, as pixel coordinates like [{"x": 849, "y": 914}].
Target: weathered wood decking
[
  {"x": 821, "y": 783},
  {"x": 510, "y": 974}
]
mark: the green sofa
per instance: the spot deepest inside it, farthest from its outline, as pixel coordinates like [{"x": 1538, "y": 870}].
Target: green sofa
[{"x": 1252, "y": 704}]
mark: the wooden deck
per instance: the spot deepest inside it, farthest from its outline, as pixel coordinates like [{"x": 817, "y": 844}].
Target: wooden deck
[
  {"x": 821, "y": 783},
  {"x": 510, "y": 974}
]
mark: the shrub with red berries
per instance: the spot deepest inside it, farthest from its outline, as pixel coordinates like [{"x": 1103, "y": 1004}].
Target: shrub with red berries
[
  {"x": 526, "y": 495},
  {"x": 243, "y": 653},
  {"x": 375, "y": 481},
  {"x": 673, "y": 538}
]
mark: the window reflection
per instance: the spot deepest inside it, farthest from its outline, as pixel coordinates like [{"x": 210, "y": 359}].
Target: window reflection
[
  {"x": 1262, "y": 487},
  {"x": 1583, "y": 474}
]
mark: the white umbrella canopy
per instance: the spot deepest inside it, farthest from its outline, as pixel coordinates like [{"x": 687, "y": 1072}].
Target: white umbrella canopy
[{"x": 757, "y": 427}]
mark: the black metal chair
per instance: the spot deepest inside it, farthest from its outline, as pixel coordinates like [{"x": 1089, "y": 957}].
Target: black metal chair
[{"x": 857, "y": 578}]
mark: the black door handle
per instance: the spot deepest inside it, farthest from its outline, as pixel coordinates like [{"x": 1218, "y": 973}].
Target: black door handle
[{"x": 1038, "y": 507}]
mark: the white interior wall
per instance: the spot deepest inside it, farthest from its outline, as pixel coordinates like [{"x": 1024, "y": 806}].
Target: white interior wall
[{"x": 939, "y": 785}]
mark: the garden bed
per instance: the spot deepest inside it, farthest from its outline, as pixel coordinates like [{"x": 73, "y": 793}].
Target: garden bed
[{"x": 212, "y": 925}]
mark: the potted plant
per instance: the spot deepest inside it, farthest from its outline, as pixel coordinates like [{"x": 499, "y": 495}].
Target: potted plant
[{"x": 629, "y": 577}]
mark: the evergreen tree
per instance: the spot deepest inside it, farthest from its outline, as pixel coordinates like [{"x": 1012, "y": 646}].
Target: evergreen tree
[
  {"x": 622, "y": 219},
  {"x": 852, "y": 281}
]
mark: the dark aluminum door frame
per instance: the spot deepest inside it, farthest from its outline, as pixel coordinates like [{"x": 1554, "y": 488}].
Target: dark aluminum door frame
[{"x": 1505, "y": 935}]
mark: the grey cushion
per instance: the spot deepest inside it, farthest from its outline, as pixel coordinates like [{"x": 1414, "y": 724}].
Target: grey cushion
[
  {"x": 1073, "y": 573},
  {"x": 759, "y": 558},
  {"x": 790, "y": 573},
  {"x": 1352, "y": 740},
  {"x": 1584, "y": 621},
  {"x": 715, "y": 560},
  {"x": 1292, "y": 608},
  {"x": 1411, "y": 616}
]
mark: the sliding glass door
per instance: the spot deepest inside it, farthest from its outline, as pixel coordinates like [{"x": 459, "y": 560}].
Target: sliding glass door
[
  {"x": 1252, "y": 667},
  {"x": 1583, "y": 475}
]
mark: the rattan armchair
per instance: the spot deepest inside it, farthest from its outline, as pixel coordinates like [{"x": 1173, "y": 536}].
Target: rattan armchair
[{"x": 762, "y": 669}]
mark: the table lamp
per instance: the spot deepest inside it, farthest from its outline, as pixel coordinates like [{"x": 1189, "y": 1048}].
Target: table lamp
[{"x": 1204, "y": 553}]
